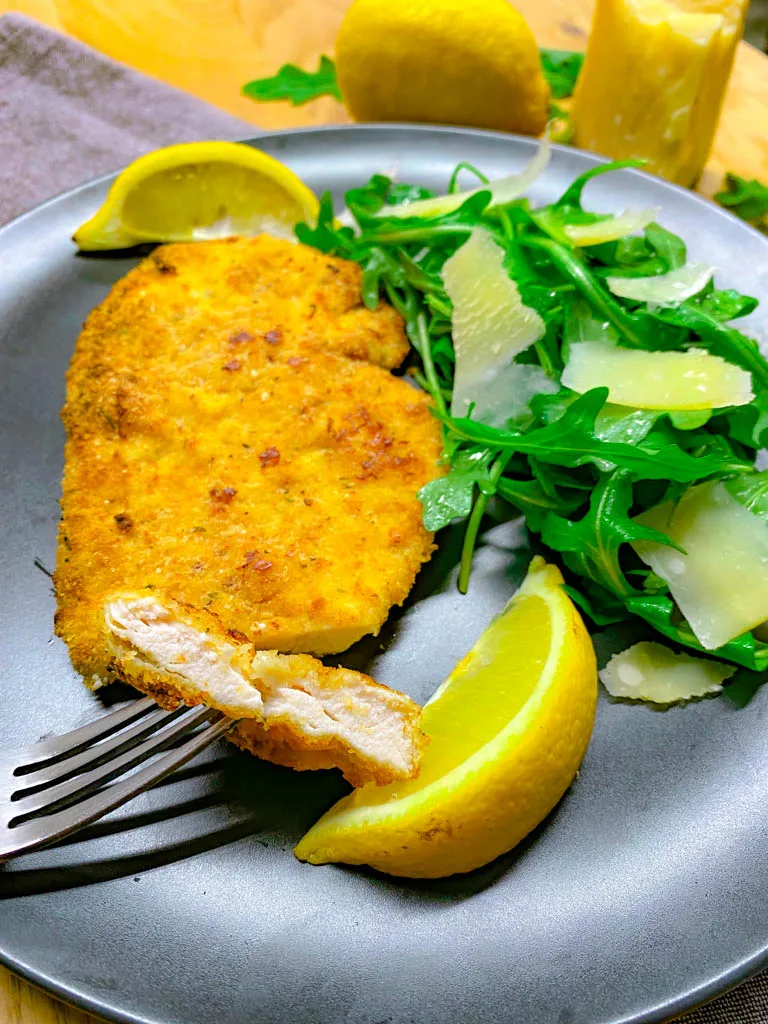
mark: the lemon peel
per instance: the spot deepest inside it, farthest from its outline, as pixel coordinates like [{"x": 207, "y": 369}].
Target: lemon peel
[
  {"x": 508, "y": 730},
  {"x": 198, "y": 190}
]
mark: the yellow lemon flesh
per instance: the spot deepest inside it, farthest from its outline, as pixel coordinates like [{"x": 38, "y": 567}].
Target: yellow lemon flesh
[
  {"x": 653, "y": 81},
  {"x": 195, "y": 191},
  {"x": 507, "y": 730},
  {"x": 441, "y": 61}
]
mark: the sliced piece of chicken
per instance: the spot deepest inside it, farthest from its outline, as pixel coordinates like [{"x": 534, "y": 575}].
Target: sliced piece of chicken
[{"x": 291, "y": 709}]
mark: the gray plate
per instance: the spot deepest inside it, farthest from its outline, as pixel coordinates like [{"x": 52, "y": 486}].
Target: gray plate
[{"x": 641, "y": 895}]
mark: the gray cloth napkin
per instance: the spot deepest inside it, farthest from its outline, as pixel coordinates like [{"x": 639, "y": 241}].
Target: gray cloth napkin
[{"x": 67, "y": 115}]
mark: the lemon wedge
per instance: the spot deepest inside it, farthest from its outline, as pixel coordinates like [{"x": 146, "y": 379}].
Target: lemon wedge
[
  {"x": 507, "y": 730},
  {"x": 199, "y": 190}
]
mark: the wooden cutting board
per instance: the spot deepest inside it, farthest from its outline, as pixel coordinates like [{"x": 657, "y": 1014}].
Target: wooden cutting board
[{"x": 212, "y": 47}]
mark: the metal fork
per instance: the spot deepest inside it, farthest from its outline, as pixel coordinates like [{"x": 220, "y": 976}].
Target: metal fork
[{"x": 51, "y": 789}]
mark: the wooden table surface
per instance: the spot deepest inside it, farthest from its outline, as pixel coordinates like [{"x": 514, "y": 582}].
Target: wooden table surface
[{"x": 212, "y": 47}]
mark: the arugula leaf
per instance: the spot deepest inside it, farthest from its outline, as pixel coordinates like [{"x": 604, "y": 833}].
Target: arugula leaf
[
  {"x": 613, "y": 422},
  {"x": 652, "y": 584},
  {"x": 670, "y": 247},
  {"x": 570, "y": 200},
  {"x": 749, "y": 423},
  {"x": 403, "y": 230},
  {"x": 682, "y": 419},
  {"x": 590, "y": 545},
  {"x": 535, "y": 289},
  {"x": 375, "y": 265},
  {"x": 296, "y": 85},
  {"x": 578, "y": 466},
  {"x": 325, "y": 235},
  {"x": 627, "y": 257},
  {"x": 530, "y": 497},
  {"x": 576, "y": 270},
  {"x": 571, "y": 441},
  {"x": 380, "y": 191},
  {"x": 473, "y": 526},
  {"x": 560, "y": 126},
  {"x": 747, "y": 199},
  {"x": 723, "y": 340},
  {"x": 451, "y": 497},
  {"x": 581, "y": 324},
  {"x": 727, "y": 304},
  {"x": 383, "y": 268},
  {"x": 751, "y": 491},
  {"x": 629, "y": 252},
  {"x": 370, "y": 198},
  {"x": 703, "y": 443},
  {"x": 406, "y": 302},
  {"x": 741, "y": 688},
  {"x": 561, "y": 69},
  {"x": 600, "y": 606},
  {"x": 661, "y": 612},
  {"x": 464, "y": 165}
]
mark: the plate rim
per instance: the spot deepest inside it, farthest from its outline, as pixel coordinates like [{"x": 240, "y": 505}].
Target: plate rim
[
  {"x": 408, "y": 127},
  {"x": 681, "y": 1003}
]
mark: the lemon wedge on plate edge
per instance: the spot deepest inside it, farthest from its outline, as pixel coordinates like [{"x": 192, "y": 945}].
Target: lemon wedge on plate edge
[
  {"x": 508, "y": 730},
  {"x": 199, "y": 190}
]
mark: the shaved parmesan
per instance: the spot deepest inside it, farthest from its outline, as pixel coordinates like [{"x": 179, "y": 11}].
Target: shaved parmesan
[
  {"x": 657, "y": 380},
  {"x": 720, "y": 583},
  {"x": 613, "y": 228},
  {"x": 491, "y": 324},
  {"x": 652, "y": 672},
  {"x": 505, "y": 399},
  {"x": 665, "y": 289},
  {"x": 505, "y": 190}
]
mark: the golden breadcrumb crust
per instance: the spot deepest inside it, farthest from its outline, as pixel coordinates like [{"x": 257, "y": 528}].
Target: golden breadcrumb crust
[{"x": 235, "y": 445}]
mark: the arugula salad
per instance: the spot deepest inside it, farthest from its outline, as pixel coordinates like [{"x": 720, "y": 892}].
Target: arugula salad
[{"x": 589, "y": 378}]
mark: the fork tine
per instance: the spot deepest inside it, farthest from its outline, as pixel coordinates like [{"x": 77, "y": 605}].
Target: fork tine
[
  {"x": 72, "y": 742},
  {"x": 47, "y": 772},
  {"x": 39, "y": 832},
  {"x": 86, "y": 782}
]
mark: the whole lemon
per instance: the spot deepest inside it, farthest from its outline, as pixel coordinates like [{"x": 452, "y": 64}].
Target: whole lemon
[{"x": 463, "y": 62}]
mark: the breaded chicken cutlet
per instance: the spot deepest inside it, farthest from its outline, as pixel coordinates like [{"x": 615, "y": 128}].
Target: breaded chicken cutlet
[{"x": 241, "y": 478}]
